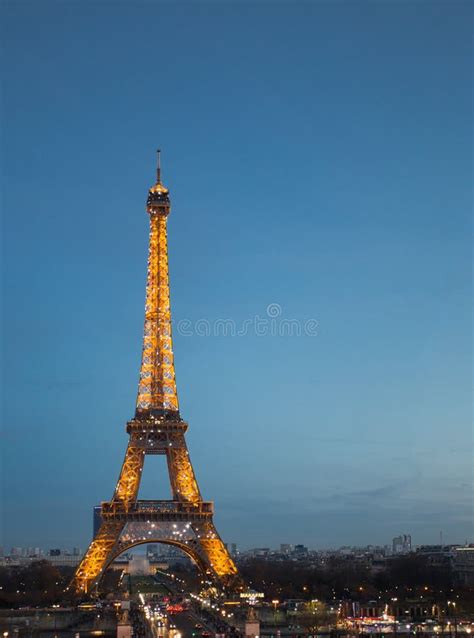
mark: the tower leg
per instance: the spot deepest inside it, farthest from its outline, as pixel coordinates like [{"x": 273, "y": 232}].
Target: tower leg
[
  {"x": 97, "y": 556},
  {"x": 183, "y": 482},
  {"x": 216, "y": 555},
  {"x": 99, "y": 552},
  {"x": 130, "y": 474}
]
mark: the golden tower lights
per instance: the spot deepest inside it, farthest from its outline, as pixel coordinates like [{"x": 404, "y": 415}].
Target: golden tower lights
[{"x": 157, "y": 428}]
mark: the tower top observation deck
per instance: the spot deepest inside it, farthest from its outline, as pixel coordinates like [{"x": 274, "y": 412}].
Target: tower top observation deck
[{"x": 158, "y": 201}]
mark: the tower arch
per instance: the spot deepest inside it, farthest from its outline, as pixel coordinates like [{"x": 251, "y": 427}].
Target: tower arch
[{"x": 189, "y": 551}]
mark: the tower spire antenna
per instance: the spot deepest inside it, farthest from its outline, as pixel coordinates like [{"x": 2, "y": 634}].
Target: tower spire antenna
[{"x": 158, "y": 166}]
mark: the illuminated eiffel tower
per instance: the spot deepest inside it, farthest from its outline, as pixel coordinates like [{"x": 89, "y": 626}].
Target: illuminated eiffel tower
[{"x": 157, "y": 428}]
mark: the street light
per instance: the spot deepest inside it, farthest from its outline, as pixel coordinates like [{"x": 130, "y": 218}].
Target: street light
[{"x": 453, "y": 605}]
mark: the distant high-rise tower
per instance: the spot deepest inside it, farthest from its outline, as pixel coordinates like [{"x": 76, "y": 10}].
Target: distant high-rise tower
[
  {"x": 157, "y": 428},
  {"x": 401, "y": 544},
  {"x": 96, "y": 519}
]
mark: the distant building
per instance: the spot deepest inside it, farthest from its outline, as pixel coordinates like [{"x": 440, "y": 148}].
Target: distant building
[
  {"x": 96, "y": 520},
  {"x": 259, "y": 551},
  {"x": 55, "y": 552},
  {"x": 463, "y": 564},
  {"x": 401, "y": 544},
  {"x": 152, "y": 551},
  {"x": 286, "y": 548},
  {"x": 64, "y": 560},
  {"x": 437, "y": 555},
  {"x": 139, "y": 565},
  {"x": 300, "y": 550}
]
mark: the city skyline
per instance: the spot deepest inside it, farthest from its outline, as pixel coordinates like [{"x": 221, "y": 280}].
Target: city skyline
[
  {"x": 398, "y": 545},
  {"x": 337, "y": 196}
]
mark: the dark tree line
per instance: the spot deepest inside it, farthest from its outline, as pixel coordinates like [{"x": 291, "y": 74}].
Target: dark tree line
[
  {"x": 340, "y": 578},
  {"x": 42, "y": 584},
  {"x": 415, "y": 571},
  {"x": 36, "y": 584}
]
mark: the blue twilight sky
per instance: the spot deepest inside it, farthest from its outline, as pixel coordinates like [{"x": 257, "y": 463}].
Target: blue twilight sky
[{"x": 319, "y": 158}]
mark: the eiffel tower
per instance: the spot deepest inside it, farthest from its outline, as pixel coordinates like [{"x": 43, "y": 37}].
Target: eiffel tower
[{"x": 157, "y": 428}]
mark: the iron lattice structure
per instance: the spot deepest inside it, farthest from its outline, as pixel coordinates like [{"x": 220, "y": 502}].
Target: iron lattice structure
[{"x": 157, "y": 428}]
